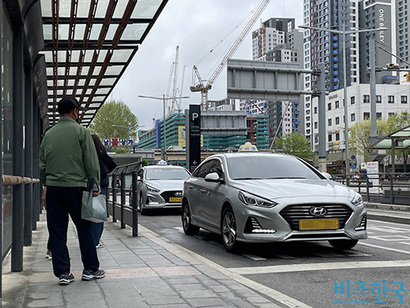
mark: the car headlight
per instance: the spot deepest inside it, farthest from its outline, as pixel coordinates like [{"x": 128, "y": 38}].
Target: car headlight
[
  {"x": 250, "y": 199},
  {"x": 152, "y": 189},
  {"x": 357, "y": 200}
]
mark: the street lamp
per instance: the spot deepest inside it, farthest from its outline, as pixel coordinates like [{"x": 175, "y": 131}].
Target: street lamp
[
  {"x": 344, "y": 33},
  {"x": 164, "y": 99}
]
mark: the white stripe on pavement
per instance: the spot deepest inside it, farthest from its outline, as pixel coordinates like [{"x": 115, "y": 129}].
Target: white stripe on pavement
[{"x": 318, "y": 267}]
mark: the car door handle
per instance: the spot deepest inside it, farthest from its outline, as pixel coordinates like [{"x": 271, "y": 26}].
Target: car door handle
[{"x": 203, "y": 190}]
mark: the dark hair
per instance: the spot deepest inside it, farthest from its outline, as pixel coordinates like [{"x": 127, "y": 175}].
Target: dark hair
[{"x": 98, "y": 144}]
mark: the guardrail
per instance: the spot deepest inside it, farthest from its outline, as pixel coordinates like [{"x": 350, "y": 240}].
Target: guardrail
[
  {"x": 389, "y": 188},
  {"x": 123, "y": 184},
  {"x": 9, "y": 180}
]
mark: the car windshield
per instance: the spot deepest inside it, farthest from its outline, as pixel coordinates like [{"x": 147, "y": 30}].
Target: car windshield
[
  {"x": 166, "y": 174},
  {"x": 255, "y": 167}
]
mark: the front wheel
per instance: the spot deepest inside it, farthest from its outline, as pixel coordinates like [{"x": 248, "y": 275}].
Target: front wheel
[
  {"x": 189, "y": 228},
  {"x": 343, "y": 244},
  {"x": 140, "y": 206},
  {"x": 229, "y": 230}
]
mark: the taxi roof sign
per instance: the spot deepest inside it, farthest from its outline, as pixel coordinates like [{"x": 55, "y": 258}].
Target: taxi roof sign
[
  {"x": 248, "y": 147},
  {"x": 162, "y": 162}
]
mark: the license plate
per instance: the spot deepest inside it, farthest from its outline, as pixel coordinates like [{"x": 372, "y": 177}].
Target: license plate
[
  {"x": 318, "y": 224},
  {"x": 175, "y": 199}
]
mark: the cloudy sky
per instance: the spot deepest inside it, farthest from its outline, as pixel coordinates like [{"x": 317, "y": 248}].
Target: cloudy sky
[{"x": 196, "y": 26}]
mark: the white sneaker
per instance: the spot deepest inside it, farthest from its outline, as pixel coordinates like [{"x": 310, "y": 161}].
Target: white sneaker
[
  {"x": 100, "y": 245},
  {"x": 48, "y": 255}
]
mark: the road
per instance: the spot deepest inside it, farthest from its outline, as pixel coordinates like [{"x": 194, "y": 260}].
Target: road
[{"x": 307, "y": 274}]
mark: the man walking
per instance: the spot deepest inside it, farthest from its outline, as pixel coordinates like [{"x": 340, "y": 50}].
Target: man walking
[{"x": 68, "y": 160}]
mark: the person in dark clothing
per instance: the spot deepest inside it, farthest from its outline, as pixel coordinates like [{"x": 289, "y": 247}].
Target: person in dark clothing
[
  {"x": 68, "y": 160},
  {"x": 106, "y": 166}
]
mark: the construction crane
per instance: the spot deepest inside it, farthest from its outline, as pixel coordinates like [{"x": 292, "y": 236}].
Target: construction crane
[
  {"x": 173, "y": 77},
  {"x": 204, "y": 86}
]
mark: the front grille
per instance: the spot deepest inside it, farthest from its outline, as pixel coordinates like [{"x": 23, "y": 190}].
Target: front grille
[
  {"x": 171, "y": 194},
  {"x": 293, "y": 213}
]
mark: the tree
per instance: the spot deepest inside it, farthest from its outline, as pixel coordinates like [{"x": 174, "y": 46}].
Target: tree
[
  {"x": 294, "y": 144},
  {"x": 359, "y": 139},
  {"x": 114, "y": 120}
]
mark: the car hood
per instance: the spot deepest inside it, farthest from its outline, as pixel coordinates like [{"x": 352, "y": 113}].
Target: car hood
[
  {"x": 166, "y": 184},
  {"x": 285, "y": 188}
]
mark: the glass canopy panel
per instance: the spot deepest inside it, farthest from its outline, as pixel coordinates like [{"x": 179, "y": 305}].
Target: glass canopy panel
[
  {"x": 121, "y": 55},
  {"x": 102, "y": 55},
  {"x": 99, "y": 98},
  {"x": 146, "y": 8},
  {"x": 61, "y": 56},
  {"x": 120, "y": 9},
  {"x": 94, "y": 105},
  {"x": 102, "y": 91},
  {"x": 63, "y": 32},
  {"x": 88, "y": 56},
  {"x": 64, "y": 8},
  {"x": 84, "y": 71},
  {"x": 134, "y": 32},
  {"x": 95, "y": 32},
  {"x": 114, "y": 70},
  {"x": 48, "y": 32},
  {"x": 108, "y": 81},
  {"x": 83, "y": 8},
  {"x": 102, "y": 8},
  {"x": 79, "y": 32},
  {"x": 97, "y": 70},
  {"x": 46, "y": 8},
  {"x": 111, "y": 31}
]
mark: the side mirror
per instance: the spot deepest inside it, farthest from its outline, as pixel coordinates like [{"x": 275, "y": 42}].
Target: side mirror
[{"x": 213, "y": 177}]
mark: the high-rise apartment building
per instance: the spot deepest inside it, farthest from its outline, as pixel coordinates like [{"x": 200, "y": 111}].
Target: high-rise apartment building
[
  {"x": 402, "y": 32},
  {"x": 376, "y": 15}
]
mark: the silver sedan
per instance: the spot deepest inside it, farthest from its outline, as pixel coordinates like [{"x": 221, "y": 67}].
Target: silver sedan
[
  {"x": 266, "y": 197},
  {"x": 160, "y": 187}
]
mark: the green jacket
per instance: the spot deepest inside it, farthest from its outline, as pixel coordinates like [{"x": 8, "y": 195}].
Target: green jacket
[{"x": 68, "y": 157}]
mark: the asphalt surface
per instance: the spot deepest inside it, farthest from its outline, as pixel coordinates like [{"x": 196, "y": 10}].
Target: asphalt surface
[{"x": 144, "y": 271}]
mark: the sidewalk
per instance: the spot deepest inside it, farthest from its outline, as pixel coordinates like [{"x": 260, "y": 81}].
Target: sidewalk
[{"x": 143, "y": 271}]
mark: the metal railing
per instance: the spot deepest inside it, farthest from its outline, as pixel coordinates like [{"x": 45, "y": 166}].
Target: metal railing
[
  {"x": 389, "y": 188},
  {"x": 122, "y": 198}
]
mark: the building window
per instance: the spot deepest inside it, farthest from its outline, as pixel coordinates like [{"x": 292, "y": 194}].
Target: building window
[
  {"x": 404, "y": 99},
  {"x": 378, "y": 99},
  {"x": 352, "y": 117},
  {"x": 352, "y": 100},
  {"x": 391, "y": 114},
  {"x": 378, "y": 115},
  {"x": 366, "y": 99},
  {"x": 329, "y": 106},
  {"x": 315, "y": 110},
  {"x": 329, "y": 122},
  {"x": 390, "y": 99},
  {"x": 366, "y": 115},
  {"x": 336, "y": 104},
  {"x": 315, "y": 125},
  {"x": 329, "y": 137},
  {"x": 337, "y": 136},
  {"x": 337, "y": 120}
]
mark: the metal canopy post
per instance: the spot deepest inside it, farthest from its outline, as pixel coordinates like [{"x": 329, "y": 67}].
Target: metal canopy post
[{"x": 18, "y": 150}]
